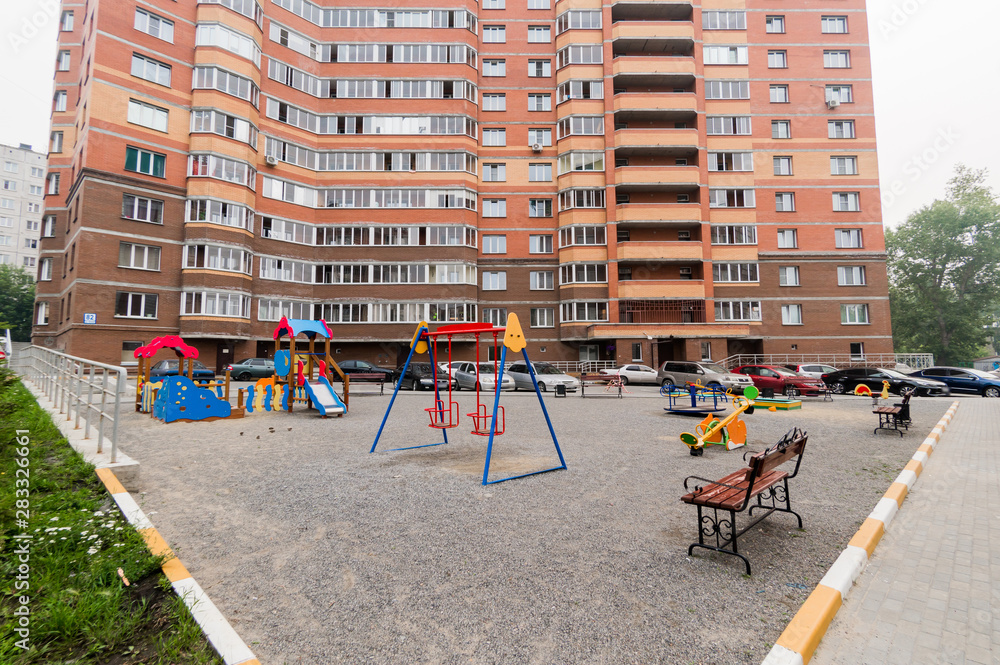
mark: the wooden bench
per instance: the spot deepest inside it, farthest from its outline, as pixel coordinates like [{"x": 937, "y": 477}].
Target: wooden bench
[
  {"x": 369, "y": 377},
  {"x": 893, "y": 417},
  {"x": 600, "y": 379},
  {"x": 761, "y": 485}
]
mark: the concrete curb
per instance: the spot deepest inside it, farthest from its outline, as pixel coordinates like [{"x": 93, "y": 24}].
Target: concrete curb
[
  {"x": 219, "y": 632},
  {"x": 800, "y": 638}
]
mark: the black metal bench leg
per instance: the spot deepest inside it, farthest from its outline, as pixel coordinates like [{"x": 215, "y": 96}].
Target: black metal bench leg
[
  {"x": 712, "y": 526},
  {"x": 780, "y": 501}
]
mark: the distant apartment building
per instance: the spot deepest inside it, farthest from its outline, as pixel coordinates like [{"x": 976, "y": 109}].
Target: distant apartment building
[
  {"x": 637, "y": 180},
  {"x": 22, "y": 198}
]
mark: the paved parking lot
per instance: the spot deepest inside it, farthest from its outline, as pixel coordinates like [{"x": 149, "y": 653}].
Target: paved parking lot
[{"x": 319, "y": 552}]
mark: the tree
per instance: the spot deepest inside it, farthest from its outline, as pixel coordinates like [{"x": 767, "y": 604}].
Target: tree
[
  {"x": 17, "y": 302},
  {"x": 944, "y": 272}
]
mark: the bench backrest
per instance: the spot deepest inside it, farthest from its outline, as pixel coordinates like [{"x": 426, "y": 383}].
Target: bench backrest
[{"x": 791, "y": 446}]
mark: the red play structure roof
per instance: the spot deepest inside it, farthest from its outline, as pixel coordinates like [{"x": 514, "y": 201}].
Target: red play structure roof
[{"x": 174, "y": 342}]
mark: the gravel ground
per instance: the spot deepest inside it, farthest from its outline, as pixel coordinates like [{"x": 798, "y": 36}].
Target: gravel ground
[{"x": 319, "y": 552}]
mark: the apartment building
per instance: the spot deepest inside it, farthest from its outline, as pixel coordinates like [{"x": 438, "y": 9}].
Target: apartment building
[
  {"x": 21, "y": 199},
  {"x": 637, "y": 180}
]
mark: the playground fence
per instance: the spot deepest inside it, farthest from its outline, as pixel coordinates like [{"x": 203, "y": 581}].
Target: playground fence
[{"x": 80, "y": 388}]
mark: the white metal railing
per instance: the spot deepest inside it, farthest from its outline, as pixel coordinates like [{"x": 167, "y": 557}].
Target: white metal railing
[
  {"x": 888, "y": 360},
  {"x": 78, "y": 387},
  {"x": 583, "y": 366}
]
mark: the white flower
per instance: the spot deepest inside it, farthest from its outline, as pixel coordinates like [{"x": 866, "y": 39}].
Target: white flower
[
  {"x": 54, "y": 519},
  {"x": 99, "y": 514},
  {"x": 92, "y": 550}
]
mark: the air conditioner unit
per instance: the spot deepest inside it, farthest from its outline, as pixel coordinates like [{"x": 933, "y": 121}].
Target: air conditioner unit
[
  {"x": 832, "y": 103},
  {"x": 536, "y": 147},
  {"x": 271, "y": 160}
]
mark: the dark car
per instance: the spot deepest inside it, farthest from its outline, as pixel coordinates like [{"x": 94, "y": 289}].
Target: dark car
[
  {"x": 365, "y": 367},
  {"x": 169, "y": 368},
  {"x": 420, "y": 376},
  {"x": 251, "y": 368},
  {"x": 846, "y": 380},
  {"x": 780, "y": 380},
  {"x": 963, "y": 380}
]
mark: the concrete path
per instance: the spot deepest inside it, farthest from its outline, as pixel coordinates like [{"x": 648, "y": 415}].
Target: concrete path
[{"x": 931, "y": 593}]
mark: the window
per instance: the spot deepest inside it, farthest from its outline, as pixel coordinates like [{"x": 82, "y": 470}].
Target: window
[
  {"x": 731, "y": 198},
  {"x": 49, "y": 226},
  {"x": 494, "y": 207},
  {"x": 540, "y": 244},
  {"x": 38, "y": 172},
  {"x": 853, "y": 314},
  {"x": 840, "y": 129},
  {"x": 539, "y": 207},
  {"x": 581, "y": 125},
  {"x": 782, "y": 166},
  {"x": 791, "y": 315},
  {"x": 59, "y": 101},
  {"x": 8, "y": 203},
  {"x": 582, "y": 235},
  {"x": 493, "y": 4},
  {"x": 150, "y": 70},
  {"x": 234, "y": 41},
  {"x": 788, "y": 275},
  {"x": 848, "y": 238},
  {"x": 728, "y": 125},
  {"x": 543, "y": 317},
  {"x": 66, "y": 22},
  {"x": 781, "y": 129},
  {"x": 41, "y": 313},
  {"x": 494, "y": 137},
  {"x": 730, "y": 161},
  {"x": 787, "y": 239},
  {"x": 539, "y": 102},
  {"x": 784, "y": 201},
  {"x": 216, "y": 122},
  {"x": 581, "y": 161},
  {"x": 215, "y": 304},
  {"x": 737, "y": 310},
  {"x": 53, "y": 187},
  {"x": 494, "y": 34},
  {"x": 494, "y": 67},
  {"x": 154, "y": 25},
  {"x": 585, "y": 311},
  {"x": 142, "y": 209},
  {"x": 850, "y": 275},
  {"x": 841, "y": 93},
  {"x": 837, "y": 59},
  {"x": 540, "y": 280},
  {"x": 540, "y": 135},
  {"x": 496, "y": 316},
  {"x": 774, "y": 24},
  {"x": 727, "y": 89},
  {"x": 494, "y": 244},
  {"x": 539, "y": 34},
  {"x": 734, "y": 235},
  {"x": 539, "y": 172},
  {"x": 494, "y": 172},
  {"x": 726, "y": 55},
  {"x": 213, "y": 78},
  {"x": 834, "y": 25},
  {"x": 735, "y": 272},
  {"x": 777, "y": 59},
  {"x": 62, "y": 61},
  {"x": 45, "y": 270},
  {"x": 581, "y": 198},
  {"x": 494, "y": 281},
  {"x": 36, "y": 190},
  {"x": 495, "y": 102},
  {"x": 141, "y": 257},
  {"x": 30, "y": 243},
  {"x": 230, "y": 214},
  {"x": 144, "y": 161},
  {"x": 580, "y": 54},
  {"x": 32, "y": 224},
  {"x": 724, "y": 20},
  {"x": 538, "y": 4},
  {"x": 843, "y": 166},
  {"x": 135, "y": 305},
  {"x": 539, "y": 68},
  {"x": 10, "y": 185},
  {"x": 10, "y": 167},
  {"x": 779, "y": 94},
  {"x": 221, "y": 168},
  {"x": 583, "y": 273},
  {"x": 147, "y": 115},
  {"x": 7, "y": 222},
  {"x": 847, "y": 201}
]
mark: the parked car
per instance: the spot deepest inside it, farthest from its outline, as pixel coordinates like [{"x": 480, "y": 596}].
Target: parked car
[
  {"x": 170, "y": 368},
  {"x": 846, "y": 380},
  {"x": 364, "y": 367},
  {"x": 633, "y": 374},
  {"x": 420, "y": 376},
  {"x": 251, "y": 368},
  {"x": 548, "y": 377},
  {"x": 963, "y": 380},
  {"x": 467, "y": 377},
  {"x": 815, "y": 370},
  {"x": 781, "y": 380},
  {"x": 708, "y": 374}
]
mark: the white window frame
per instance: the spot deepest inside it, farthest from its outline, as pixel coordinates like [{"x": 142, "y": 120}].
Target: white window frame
[
  {"x": 146, "y": 115},
  {"x": 140, "y": 257},
  {"x": 791, "y": 315},
  {"x": 779, "y": 94},
  {"x": 849, "y": 238},
  {"x": 788, "y": 238},
  {"x": 540, "y": 244},
  {"x": 542, "y": 317},
  {"x": 851, "y": 276},
  {"x": 142, "y": 308},
  {"x": 837, "y": 59},
  {"x": 777, "y": 59},
  {"x": 788, "y": 276},
  {"x": 494, "y": 34},
  {"x": 847, "y": 201},
  {"x": 784, "y": 201},
  {"x": 843, "y": 165},
  {"x": 844, "y": 128},
  {"x": 541, "y": 280},
  {"x": 775, "y": 24},
  {"x": 154, "y": 25},
  {"x": 831, "y": 25},
  {"x": 782, "y": 165},
  {"x": 494, "y": 243},
  {"x": 494, "y": 280},
  {"x": 854, "y": 314}
]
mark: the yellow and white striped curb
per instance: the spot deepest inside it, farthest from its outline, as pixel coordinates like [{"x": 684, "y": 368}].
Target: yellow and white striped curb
[
  {"x": 800, "y": 638},
  {"x": 220, "y": 634}
]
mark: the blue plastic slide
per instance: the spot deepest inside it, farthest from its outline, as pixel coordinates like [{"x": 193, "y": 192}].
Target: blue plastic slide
[{"x": 324, "y": 399}]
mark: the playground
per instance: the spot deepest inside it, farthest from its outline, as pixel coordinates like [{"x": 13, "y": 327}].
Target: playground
[{"x": 318, "y": 550}]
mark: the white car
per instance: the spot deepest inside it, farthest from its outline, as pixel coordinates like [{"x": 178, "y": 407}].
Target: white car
[
  {"x": 547, "y": 375},
  {"x": 467, "y": 377},
  {"x": 633, "y": 374}
]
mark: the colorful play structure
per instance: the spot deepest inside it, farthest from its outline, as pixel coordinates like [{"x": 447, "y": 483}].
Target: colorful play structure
[
  {"x": 862, "y": 390},
  {"x": 730, "y": 432},
  {"x": 179, "y": 397},
  {"x": 695, "y": 398},
  {"x": 444, "y": 412},
  {"x": 778, "y": 403}
]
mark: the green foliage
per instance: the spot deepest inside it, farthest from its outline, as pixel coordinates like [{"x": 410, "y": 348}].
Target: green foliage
[
  {"x": 17, "y": 301},
  {"x": 943, "y": 271}
]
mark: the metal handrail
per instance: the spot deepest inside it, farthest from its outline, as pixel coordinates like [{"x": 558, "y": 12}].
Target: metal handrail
[
  {"x": 78, "y": 387},
  {"x": 913, "y": 360}
]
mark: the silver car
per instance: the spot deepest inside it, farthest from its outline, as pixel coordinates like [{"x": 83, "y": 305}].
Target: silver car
[
  {"x": 708, "y": 374},
  {"x": 465, "y": 374},
  {"x": 547, "y": 375}
]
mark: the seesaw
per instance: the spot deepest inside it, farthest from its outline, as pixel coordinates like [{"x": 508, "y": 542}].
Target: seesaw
[{"x": 730, "y": 432}]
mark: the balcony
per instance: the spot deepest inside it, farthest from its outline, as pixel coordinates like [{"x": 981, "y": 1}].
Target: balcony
[
  {"x": 653, "y": 37},
  {"x": 640, "y": 70},
  {"x": 655, "y": 140},
  {"x": 657, "y": 178},
  {"x": 654, "y": 106},
  {"x": 651, "y": 10},
  {"x": 678, "y": 214},
  {"x": 661, "y": 288},
  {"x": 661, "y": 310},
  {"x": 683, "y": 251}
]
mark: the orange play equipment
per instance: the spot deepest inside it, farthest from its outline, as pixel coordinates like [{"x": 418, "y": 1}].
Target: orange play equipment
[{"x": 730, "y": 432}]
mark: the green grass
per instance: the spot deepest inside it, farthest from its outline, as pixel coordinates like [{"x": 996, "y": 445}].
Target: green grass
[{"x": 81, "y": 610}]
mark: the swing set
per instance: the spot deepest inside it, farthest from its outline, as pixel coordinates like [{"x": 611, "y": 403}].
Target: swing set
[{"x": 444, "y": 413}]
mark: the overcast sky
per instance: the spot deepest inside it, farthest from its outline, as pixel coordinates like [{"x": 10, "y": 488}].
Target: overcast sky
[{"x": 935, "y": 103}]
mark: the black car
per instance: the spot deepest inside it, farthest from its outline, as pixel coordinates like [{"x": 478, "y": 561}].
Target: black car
[
  {"x": 420, "y": 376},
  {"x": 846, "y": 380},
  {"x": 365, "y": 367},
  {"x": 169, "y": 368},
  {"x": 963, "y": 380}
]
